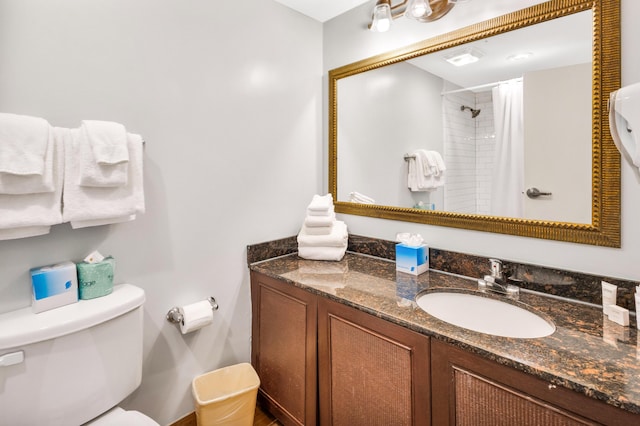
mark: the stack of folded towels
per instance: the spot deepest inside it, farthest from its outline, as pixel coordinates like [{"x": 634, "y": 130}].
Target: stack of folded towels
[
  {"x": 31, "y": 176},
  {"x": 322, "y": 237},
  {"x": 88, "y": 176},
  {"x": 103, "y": 175}
]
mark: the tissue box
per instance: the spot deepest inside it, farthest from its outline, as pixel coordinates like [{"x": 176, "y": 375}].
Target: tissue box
[
  {"x": 412, "y": 260},
  {"x": 54, "y": 286},
  {"x": 95, "y": 279}
]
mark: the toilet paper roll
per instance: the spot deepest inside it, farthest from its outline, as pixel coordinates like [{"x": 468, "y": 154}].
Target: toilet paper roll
[{"x": 195, "y": 316}]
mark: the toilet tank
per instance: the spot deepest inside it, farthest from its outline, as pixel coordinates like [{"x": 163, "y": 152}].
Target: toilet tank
[{"x": 79, "y": 360}]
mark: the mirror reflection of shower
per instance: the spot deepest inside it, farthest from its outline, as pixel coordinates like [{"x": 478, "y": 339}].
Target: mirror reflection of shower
[
  {"x": 474, "y": 112},
  {"x": 469, "y": 146}
]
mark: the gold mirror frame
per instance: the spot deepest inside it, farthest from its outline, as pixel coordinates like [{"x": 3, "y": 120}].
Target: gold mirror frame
[{"x": 604, "y": 229}]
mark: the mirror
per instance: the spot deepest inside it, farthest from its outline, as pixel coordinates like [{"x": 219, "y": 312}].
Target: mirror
[{"x": 386, "y": 110}]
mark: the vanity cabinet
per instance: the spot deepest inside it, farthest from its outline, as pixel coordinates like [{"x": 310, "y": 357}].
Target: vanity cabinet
[
  {"x": 323, "y": 362},
  {"x": 371, "y": 371},
  {"x": 469, "y": 390},
  {"x": 284, "y": 349}
]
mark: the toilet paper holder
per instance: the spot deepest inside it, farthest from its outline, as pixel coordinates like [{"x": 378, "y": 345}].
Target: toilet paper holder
[{"x": 175, "y": 316}]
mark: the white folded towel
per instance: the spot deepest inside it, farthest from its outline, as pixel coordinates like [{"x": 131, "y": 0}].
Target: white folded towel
[
  {"x": 321, "y": 203},
  {"x": 426, "y": 171},
  {"x": 329, "y": 212},
  {"x": 319, "y": 221},
  {"x": 104, "y": 154},
  {"x": 23, "y": 144},
  {"x": 339, "y": 237},
  {"x": 102, "y": 205},
  {"x": 99, "y": 222},
  {"x": 356, "y": 197},
  {"x": 318, "y": 230},
  {"x": 322, "y": 253},
  {"x": 34, "y": 213},
  {"x": 32, "y": 183},
  {"x": 432, "y": 163},
  {"x": 108, "y": 141},
  {"x": 24, "y": 232}
]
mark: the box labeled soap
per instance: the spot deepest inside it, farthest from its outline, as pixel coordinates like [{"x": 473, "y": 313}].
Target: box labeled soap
[
  {"x": 53, "y": 286},
  {"x": 95, "y": 279},
  {"x": 412, "y": 259}
]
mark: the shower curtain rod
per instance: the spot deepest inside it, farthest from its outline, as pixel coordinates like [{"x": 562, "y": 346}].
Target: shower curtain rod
[{"x": 481, "y": 86}]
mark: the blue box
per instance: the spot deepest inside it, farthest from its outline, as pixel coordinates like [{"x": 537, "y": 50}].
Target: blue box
[
  {"x": 54, "y": 286},
  {"x": 412, "y": 260}
]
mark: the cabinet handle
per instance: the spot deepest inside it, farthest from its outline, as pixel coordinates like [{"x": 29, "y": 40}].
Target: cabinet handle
[{"x": 551, "y": 386}]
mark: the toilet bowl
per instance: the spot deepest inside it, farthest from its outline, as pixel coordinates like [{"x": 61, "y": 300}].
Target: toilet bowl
[
  {"x": 74, "y": 364},
  {"x": 119, "y": 417}
]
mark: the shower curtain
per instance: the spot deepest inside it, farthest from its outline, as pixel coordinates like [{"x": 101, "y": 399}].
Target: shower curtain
[{"x": 508, "y": 170}]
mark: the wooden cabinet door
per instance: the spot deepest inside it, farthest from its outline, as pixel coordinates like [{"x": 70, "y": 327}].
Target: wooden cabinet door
[
  {"x": 470, "y": 390},
  {"x": 371, "y": 372},
  {"x": 284, "y": 349}
]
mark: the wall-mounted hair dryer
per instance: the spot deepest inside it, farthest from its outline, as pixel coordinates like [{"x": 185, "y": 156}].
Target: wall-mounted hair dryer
[{"x": 624, "y": 121}]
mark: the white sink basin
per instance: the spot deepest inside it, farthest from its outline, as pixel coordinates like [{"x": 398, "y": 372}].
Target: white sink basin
[{"x": 484, "y": 315}]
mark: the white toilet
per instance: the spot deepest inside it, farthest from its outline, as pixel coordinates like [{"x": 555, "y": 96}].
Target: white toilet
[{"x": 74, "y": 364}]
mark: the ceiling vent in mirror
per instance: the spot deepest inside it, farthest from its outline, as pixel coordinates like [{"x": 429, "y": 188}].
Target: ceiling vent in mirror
[{"x": 464, "y": 56}]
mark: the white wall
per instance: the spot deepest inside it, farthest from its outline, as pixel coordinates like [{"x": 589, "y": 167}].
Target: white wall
[
  {"x": 385, "y": 114},
  {"x": 230, "y": 106},
  {"x": 346, "y": 40}
]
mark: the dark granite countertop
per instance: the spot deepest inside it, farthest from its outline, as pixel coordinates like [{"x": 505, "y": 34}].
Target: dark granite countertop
[{"x": 587, "y": 353}]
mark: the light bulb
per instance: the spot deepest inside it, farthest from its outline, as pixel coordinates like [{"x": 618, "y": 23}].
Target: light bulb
[
  {"x": 417, "y": 9},
  {"x": 381, "y": 17}
]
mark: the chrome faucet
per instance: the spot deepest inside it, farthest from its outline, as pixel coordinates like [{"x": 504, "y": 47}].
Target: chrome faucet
[{"x": 498, "y": 281}]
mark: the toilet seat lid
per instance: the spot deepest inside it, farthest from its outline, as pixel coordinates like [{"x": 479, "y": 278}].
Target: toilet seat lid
[{"x": 118, "y": 417}]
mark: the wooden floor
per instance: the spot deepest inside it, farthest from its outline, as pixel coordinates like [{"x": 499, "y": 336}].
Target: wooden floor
[{"x": 263, "y": 418}]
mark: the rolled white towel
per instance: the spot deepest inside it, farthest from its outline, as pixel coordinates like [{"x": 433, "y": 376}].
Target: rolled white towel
[
  {"x": 356, "y": 197},
  {"x": 339, "y": 237}
]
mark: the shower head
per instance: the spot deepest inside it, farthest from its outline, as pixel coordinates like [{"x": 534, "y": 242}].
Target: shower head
[{"x": 474, "y": 112}]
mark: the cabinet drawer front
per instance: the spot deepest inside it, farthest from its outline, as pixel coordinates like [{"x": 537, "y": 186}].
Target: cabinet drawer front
[
  {"x": 371, "y": 372},
  {"x": 479, "y": 401},
  {"x": 284, "y": 352}
]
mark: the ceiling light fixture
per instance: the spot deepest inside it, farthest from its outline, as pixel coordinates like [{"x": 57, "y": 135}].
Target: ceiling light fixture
[
  {"x": 516, "y": 57},
  {"x": 420, "y": 10},
  {"x": 464, "y": 57}
]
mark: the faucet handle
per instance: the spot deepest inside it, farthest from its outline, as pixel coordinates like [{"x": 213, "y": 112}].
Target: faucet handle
[{"x": 496, "y": 268}]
